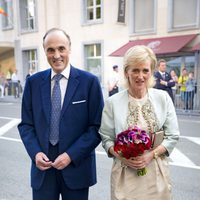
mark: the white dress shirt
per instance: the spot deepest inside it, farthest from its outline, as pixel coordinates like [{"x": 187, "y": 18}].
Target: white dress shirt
[
  {"x": 162, "y": 74},
  {"x": 63, "y": 82}
]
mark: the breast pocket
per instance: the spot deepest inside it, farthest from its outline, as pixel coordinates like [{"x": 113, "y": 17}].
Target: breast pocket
[
  {"x": 78, "y": 110},
  {"x": 79, "y": 102}
]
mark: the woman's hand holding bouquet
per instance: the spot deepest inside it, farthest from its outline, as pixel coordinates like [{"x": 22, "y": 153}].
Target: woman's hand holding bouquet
[{"x": 131, "y": 145}]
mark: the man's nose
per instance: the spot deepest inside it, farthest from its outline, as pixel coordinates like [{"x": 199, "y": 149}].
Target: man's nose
[{"x": 56, "y": 54}]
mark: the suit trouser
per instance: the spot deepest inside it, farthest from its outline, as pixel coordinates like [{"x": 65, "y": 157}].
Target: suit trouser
[
  {"x": 190, "y": 99},
  {"x": 53, "y": 185}
]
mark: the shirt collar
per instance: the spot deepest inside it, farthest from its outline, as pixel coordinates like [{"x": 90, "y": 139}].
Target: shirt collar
[
  {"x": 65, "y": 72},
  {"x": 162, "y": 72}
]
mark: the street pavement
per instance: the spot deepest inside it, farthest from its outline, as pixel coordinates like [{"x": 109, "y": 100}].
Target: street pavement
[{"x": 15, "y": 163}]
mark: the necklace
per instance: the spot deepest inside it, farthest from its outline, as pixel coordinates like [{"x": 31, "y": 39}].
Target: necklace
[{"x": 147, "y": 112}]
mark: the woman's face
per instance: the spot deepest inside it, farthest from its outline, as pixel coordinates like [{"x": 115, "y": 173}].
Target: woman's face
[
  {"x": 190, "y": 75},
  {"x": 139, "y": 75},
  {"x": 184, "y": 72},
  {"x": 172, "y": 73}
]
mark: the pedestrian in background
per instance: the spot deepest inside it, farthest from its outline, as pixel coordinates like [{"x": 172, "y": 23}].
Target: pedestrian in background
[
  {"x": 3, "y": 83},
  {"x": 190, "y": 90},
  {"x": 175, "y": 87},
  {"x": 151, "y": 110},
  {"x": 164, "y": 80},
  {"x": 15, "y": 84},
  {"x": 61, "y": 113},
  {"x": 113, "y": 81},
  {"x": 182, "y": 84}
]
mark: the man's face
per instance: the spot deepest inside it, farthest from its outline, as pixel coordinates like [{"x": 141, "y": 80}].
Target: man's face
[
  {"x": 184, "y": 72},
  {"x": 57, "y": 49},
  {"x": 162, "y": 67}
]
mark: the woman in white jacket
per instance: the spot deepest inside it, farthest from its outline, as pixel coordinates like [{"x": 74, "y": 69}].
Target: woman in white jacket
[{"x": 151, "y": 110}]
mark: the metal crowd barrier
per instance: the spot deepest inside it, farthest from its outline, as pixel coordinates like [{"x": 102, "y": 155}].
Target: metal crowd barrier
[{"x": 188, "y": 101}]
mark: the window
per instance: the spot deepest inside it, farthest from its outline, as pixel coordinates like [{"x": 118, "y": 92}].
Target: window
[
  {"x": 30, "y": 61},
  {"x": 143, "y": 16},
  {"x": 92, "y": 11},
  {"x": 7, "y": 21},
  {"x": 190, "y": 63},
  {"x": 93, "y": 59},
  {"x": 27, "y": 15},
  {"x": 184, "y": 14},
  {"x": 174, "y": 63}
]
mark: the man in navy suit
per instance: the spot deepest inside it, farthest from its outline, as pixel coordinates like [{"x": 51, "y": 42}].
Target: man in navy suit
[
  {"x": 67, "y": 168},
  {"x": 163, "y": 79}
]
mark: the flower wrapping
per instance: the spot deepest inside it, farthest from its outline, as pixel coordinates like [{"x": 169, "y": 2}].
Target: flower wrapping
[{"x": 132, "y": 143}]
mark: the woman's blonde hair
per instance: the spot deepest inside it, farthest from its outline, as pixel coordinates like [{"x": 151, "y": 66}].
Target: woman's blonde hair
[{"x": 138, "y": 55}]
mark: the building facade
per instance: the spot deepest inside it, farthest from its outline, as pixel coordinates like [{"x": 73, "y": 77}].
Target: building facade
[{"x": 101, "y": 31}]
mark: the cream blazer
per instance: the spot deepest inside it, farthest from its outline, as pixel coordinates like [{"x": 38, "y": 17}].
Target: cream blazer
[{"x": 116, "y": 110}]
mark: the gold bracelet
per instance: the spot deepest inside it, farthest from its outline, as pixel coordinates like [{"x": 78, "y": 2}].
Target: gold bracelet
[{"x": 155, "y": 154}]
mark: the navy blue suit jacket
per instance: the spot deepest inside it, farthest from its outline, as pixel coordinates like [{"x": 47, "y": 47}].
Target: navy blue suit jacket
[
  {"x": 79, "y": 125},
  {"x": 168, "y": 79}
]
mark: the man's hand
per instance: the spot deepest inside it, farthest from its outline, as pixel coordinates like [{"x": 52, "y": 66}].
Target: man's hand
[
  {"x": 61, "y": 161},
  {"x": 42, "y": 161}
]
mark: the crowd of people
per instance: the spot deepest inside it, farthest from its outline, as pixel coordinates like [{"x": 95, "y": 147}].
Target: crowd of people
[
  {"x": 188, "y": 87},
  {"x": 184, "y": 86},
  {"x": 10, "y": 85}
]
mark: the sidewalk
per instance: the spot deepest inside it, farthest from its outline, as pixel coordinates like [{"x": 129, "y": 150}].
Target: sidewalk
[
  {"x": 11, "y": 99},
  {"x": 188, "y": 112}
]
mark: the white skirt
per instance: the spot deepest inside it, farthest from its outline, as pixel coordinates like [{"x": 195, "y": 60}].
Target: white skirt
[{"x": 155, "y": 185}]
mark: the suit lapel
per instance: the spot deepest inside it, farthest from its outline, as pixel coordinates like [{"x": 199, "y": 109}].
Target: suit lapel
[
  {"x": 45, "y": 90},
  {"x": 72, "y": 85}
]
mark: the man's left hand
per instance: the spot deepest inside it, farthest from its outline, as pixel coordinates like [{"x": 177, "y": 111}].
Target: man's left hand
[{"x": 61, "y": 161}]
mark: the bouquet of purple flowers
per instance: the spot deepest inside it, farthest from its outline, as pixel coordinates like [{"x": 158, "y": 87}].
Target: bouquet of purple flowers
[{"x": 132, "y": 143}]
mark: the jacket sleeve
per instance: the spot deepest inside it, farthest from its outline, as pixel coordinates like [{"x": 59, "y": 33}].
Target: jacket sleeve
[
  {"x": 170, "y": 125},
  {"x": 157, "y": 80},
  {"x": 107, "y": 129},
  {"x": 170, "y": 82},
  {"x": 26, "y": 126}
]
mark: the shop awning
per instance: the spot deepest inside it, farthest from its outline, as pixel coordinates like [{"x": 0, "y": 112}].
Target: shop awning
[
  {"x": 163, "y": 45},
  {"x": 196, "y": 47}
]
